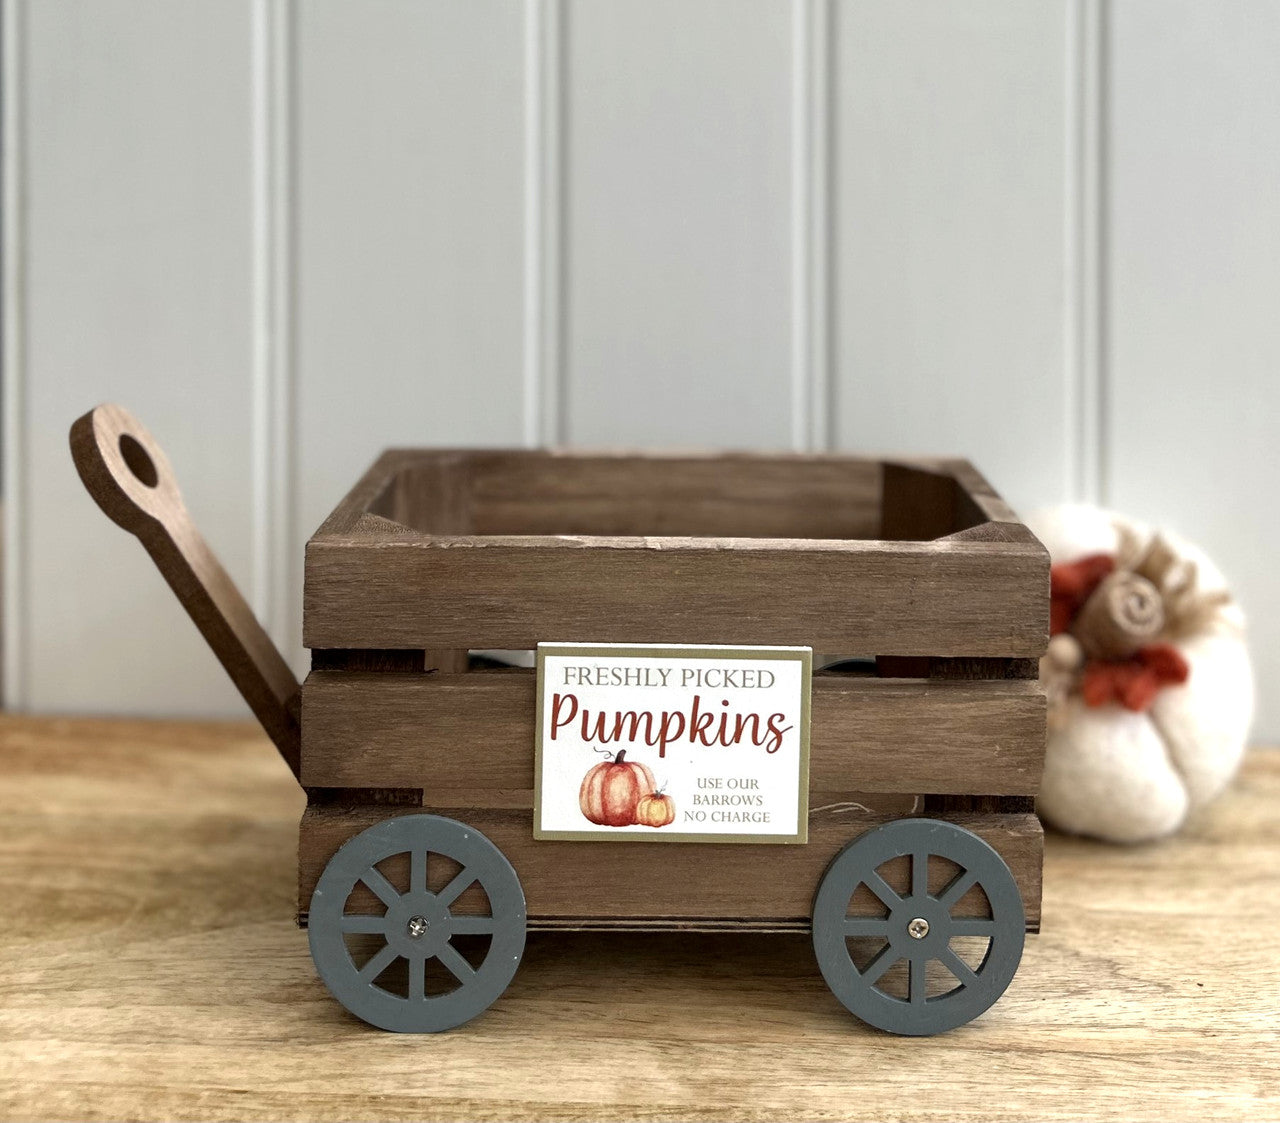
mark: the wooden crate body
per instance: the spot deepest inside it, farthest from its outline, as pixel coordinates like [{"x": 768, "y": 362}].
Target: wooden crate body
[{"x": 919, "y": 570}]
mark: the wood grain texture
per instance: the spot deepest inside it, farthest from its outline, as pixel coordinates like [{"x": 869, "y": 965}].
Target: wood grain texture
[
  {"x": 129, "y": 477},
  {"x": 726, "y": 494},
  {"x": 477, "y": 731},
  {"x": 374, "y": 582},
  {"x": 616, "y": 880},
  {"x": 554, "y": 491},
  {"x": 870, "y": 598},
  {"x": 150, "y": 969}
]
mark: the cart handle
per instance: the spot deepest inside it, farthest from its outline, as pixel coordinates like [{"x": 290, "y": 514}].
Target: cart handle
[{"x": 128, "y": 474}]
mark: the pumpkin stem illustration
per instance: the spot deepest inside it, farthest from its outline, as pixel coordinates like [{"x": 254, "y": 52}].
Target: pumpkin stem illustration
[{"x": 618, "y": 759}]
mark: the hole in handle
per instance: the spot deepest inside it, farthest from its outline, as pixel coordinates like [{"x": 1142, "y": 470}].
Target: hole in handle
[{"x": 138, "y": 460}]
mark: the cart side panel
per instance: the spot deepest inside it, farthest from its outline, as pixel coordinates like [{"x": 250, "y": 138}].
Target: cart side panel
[
  {"x": 729, "y": 494},
  {"x": 475, "y": 731},
  {"x": 944, "y": 598},
  {"x": 620, "y": 880},
  {"x": 530, "y": 491}
]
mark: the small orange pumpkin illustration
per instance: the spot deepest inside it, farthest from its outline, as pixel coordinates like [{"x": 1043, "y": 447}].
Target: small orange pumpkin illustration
[
  {"x": 611, "y": 790},
  {"x": 655, "y": 810}
]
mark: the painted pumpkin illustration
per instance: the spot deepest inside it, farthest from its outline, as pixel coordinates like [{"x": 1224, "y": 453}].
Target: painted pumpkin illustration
[
  {"x": 611, "y": 790},
  {"x": 655, "y": 810}
]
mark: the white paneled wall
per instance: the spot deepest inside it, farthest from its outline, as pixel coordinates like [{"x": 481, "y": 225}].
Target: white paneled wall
[{"x": 290, "y": 232}]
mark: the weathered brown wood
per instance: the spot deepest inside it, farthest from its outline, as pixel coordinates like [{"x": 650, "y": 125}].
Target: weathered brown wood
[
  {"x": 872, "y": 598},
  {"x": 150, "y": 970},
  {"x": 367, "y": 659},
  {"x": 429, "y": 492},
  {"x": 974, "y": 491},
  {"x": 524, "y": 491},
  {"x": 962, "y": 667},
  {"x": 477, "y": 731},
  {"x": 903, "y": 666},
  {"x": 918, "y": 505},
  {"x": 616, "y": 880},
  {"x": 673, "y": 549},
  {"x": 129, "y": 477},
  {"x": 716, "y": 494},
  {"x": 448, "y": 660}
]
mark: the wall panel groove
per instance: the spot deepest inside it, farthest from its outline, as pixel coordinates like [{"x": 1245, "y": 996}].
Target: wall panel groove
[
  {"x": 1084, "y": 307},
  {"x": 15, "y": 617},
  {"x": 810, "y": 225},
  {"x": 543, "y": 365},
  {"x": 288, "y": 234},
  {"x": 276, "y": 589}
]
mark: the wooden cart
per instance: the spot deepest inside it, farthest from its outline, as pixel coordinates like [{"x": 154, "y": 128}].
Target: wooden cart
[{"x": 924, "y": 597}]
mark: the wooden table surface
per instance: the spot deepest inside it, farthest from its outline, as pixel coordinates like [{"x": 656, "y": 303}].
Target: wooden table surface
[{"x": 149, "y": 968}]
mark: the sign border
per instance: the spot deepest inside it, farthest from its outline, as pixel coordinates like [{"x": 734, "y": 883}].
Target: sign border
[{"x": 803, "y": 655}]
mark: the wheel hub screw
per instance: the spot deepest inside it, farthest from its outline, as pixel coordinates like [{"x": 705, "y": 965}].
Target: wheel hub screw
[
  {"x": 918, "y": 928},
  {"x": 417, "y": 927}
]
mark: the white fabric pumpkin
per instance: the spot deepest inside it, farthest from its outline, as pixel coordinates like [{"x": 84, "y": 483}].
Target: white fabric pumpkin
[{"x": 1130, "y": 777}]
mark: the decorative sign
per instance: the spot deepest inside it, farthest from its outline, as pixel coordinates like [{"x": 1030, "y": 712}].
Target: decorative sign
[{"x": 684, "y": 744}]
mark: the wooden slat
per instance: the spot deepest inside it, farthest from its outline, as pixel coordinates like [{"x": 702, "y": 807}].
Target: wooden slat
[
  {"x": 729, "y": 494},
  {"x": 865, "y": 598},
  {"x": 476, "y": 731},
  {"x": 674, "y": 549},
  {"x": 532, "y": 492},
  {"x": 918, "y": 505},
  {"x": 615, "y": 880}
]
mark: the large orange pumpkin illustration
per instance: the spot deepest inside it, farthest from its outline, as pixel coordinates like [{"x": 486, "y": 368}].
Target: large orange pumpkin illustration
[
  {"x": 655, "y": 810},
  {"x": 611, "y": 790}
]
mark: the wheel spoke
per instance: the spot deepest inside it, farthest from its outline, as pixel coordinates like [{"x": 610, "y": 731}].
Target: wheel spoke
[
  {"x": 918, "y": 984},
  {"x": 920, "y": 873},
  {"x": 880, "y": 888},
  {"x": 960, "y": 885},
  {"x": 972, "y": 926},
  {"x": 417, "y": 978},
  {"x": 382, "y": 888},
  {"x": 378, "y": 963},
  {"x": 418, "y": 871},
  {"x": 874, "y": 971},
  {"x": 866, "y": 926},
  {"x": 472, "y": 925},
  {"x": 361, "y": 924},
  {"x": 453, "y": 890},
  {"x": 454, "y": 960},
  {"x": 964, "y": 974}
]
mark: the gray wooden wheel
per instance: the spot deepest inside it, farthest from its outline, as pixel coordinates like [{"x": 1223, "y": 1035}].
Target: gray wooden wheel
[
  {"x": 918, "y": 927},
  {"x": 417, "y": 924}
]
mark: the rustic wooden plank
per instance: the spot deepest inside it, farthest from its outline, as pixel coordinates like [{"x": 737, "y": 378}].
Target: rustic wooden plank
[
  {"x": 429, "y": 492},
  {"x": 367, "y": 659},
  {"x": 129, "y": 477},
  {"x": 533, "y": 491},
  {"x": 860, "y": 598},
  {"x": 151, "y": 883},
  {"x": 673, "y": 549},
  {"x": 616, "y": 879},
  {"x": 368, "y": 495},
  {"x": 477, "y": 731},
  {"x": 917, "y": 504},
  {"x": 721, "y": 494}
]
